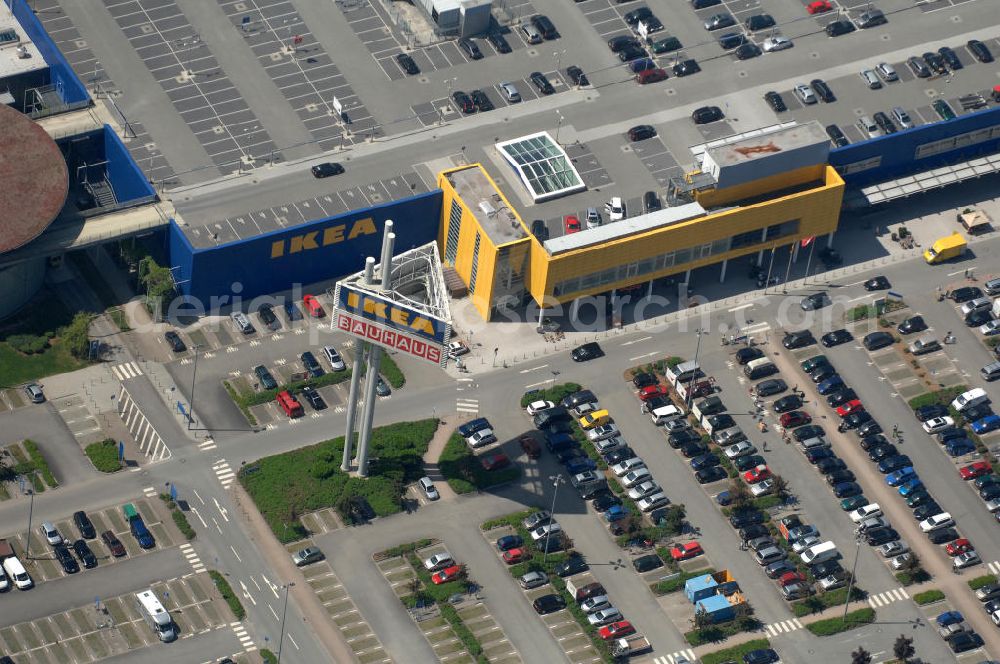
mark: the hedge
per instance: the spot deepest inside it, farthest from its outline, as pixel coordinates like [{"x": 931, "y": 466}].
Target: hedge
[
  {"x": 722, "y": 631},
  {"x": 919, "y": 575},
  {"x": 981, "y": 581},
  {"x": 104, "y": 456},
  {"x": 943, "y": 396},
  {"x": 463, "y": 471},
  {"x": 179, "y": 517},
  {"x": 840, "y": 624},
  {"x": 734, "y": 654},
  {"x": 928, "y": 597},
  {"x": 673, "y": 585},
  {"x": 817, "y": 603},
  {"x": 227, "y": 594},
  {"x": 554, "y": 394},
  {"x": 267, "y": 396},
  {"x": 41, "y": 465}
]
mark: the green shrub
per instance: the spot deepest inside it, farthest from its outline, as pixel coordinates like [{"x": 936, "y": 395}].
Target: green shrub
[
  {"x": 673, "y": 361},
  {"x": 182, "y": 524},
  {"x": 104, "y": 455},
  {"x": 402, "y": 549},
  {"x": 227, "y": 594},
  {"x": 943, "y": 396},
  {"x": 268, "y": 656},
  {"x": 817, "y": 603},
  {"x": 28, "y": 343},
  {"x": 734, "y": 654},
  {"x": 668, "y": 586},
  {"x": 981, "y": 581},
  {"x": 909, "y": 578},
  {"x": 860, "y": 312},
  {"x": 721, "y": 631},
  {"x": 513, "y": 520},
  {"x": 76, "y": 335},
  {"x": 840, "y": 624},
  {"x": 928, "y": 597},
  {"x": 239, "y": 403},
  {"x": 41, "y": 465},
  {"x": 463, "y": 471},
  {"x": 390, "y": 371},
  {"x": 555, "y": 394}
]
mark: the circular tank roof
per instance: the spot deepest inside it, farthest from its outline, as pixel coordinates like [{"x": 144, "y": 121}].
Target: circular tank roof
[{"x": 33, "y": 179}]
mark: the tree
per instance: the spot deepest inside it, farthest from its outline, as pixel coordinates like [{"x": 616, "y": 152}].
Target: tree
[
  {"x": 903, "y": 648},
  {"x": 76, "y": 335},
  {"x": 701, "y": 619},
  {"x": 861, "y": 656},
  {"x": 739, "y": 495},
  {"x": 780, "y": 486}
]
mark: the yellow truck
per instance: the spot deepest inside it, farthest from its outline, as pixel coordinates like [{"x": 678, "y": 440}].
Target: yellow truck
[{"x": 945, "y": 248}]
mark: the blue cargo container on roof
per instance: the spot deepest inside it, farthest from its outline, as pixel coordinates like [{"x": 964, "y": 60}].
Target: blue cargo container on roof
[{"x": 700, "y": 587}]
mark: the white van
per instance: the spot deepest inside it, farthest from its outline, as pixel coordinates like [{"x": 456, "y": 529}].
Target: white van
[
  {"x": 967, "y": 400},
  {"x": 819, "y": 553},
  {"x": 4, "y": 583},
  {"x": 157, "y": 617},
  {"x": 15, "y": 570},
  {"x": 683, "y": 372},
  {"x": 666, "y": 414}
]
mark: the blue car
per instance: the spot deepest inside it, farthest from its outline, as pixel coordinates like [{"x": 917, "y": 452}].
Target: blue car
[
  {"x": 577, "y": 465},
  {"x": 949, "y": 618},
  {"x": 959, "y": 447},
  {"x": 987, "y": 424},
  {"x": 902, "y": 475},
  {"x": 508, "y": 542},
  {"x": 846, "y": 489},
  {"x": 830, "y": 385},
  {"x": 615, "y": 513},
  {"x": 704, "y": 461},
  {"x": 911, "y": 486}
]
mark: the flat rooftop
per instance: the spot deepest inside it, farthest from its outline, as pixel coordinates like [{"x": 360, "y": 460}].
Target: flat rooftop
[
  {"x": 499, "y": 221},
  {"x": 764, "y": 144},
  {"x": 14, "y": 44},
  {"x": 629, "y": 226}
]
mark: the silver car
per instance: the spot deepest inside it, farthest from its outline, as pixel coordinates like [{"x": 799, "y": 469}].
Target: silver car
[
  {"x": 887, "y": 72},
  {"x": 509, "y": 92},
  {"x": 901, "y": 117},
  {"x": 805, "y": 94},
  {"x": 310, "y": 554},
  {"x": 533, "y": 580}
]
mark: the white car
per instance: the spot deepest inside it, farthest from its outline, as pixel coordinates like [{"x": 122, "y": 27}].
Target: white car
[
  {"x": 551, "y": 528},
  {"x": 334, "y": 358},
  {"x": 991, "y": 328},
  {"x": 832, "y": 582},
  {"x": 536, "y": 407},
  {"x": 805, "y": 94},
  {"x": 802, "y": 544},
  {"x": 623, "y": 467},
  {"x": 936, "y": 424},
  {"x": 894, "y": 548},
  {"x": 776, "y": 43},
  {"x": 602, "y": 432},
  {"x": 762, "y": 488},
  {"x": 604, "y": 616},
  {"x": 650, "y": 503},
  {"x": 866, "y": 512},
  {"x": 427, "y": 486},
  {"x": 482, "y": 437},
  {"x": 50, "y": 533},
  {"x": 438, "y": 561},
  {"x": 457, "y": 349},
  {"x": 742, "y": 448},
  {"x": 900, "y": 561},
  {"x": 595, "y": 603},
  {"x": 615, "y": 208},
  {"x": 647, "y": 488},
  {"x": 636, "y": 476},
  {"x": 942, "y": 520},
  {"x": 967, "y": 559}
]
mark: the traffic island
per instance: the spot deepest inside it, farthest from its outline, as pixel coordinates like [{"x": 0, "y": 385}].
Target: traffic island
[
  {"x": 466, "y": 471},
  {"x": 30, "y": 463},
  {"x": 104, "y": 456}
]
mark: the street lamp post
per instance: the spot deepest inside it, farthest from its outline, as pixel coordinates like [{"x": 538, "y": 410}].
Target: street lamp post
[
  {"x": 284, "y": 610},
  {"x": 559, "y": 122},
  {"x": 694, "y": 376},
  {"x": 854, "y": 569},
  {"x": 556, "y": 481},
  {"x": 31, "y": 509},
  {"x": 194, "y": 375}
]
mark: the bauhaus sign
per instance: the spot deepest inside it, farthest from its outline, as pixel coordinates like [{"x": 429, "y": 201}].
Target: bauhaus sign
[{"x": 391, "y": 339}]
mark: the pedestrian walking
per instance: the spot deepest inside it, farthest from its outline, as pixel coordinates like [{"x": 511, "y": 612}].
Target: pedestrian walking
[{"x": 895, "y": 430}]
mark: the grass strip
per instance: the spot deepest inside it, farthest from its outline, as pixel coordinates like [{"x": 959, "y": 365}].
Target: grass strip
[
  {"x": 41, "y": 465},
  {"x": 227, "y": 594},
  {"x": 464, "y": 472},
  {"x": 928, "y": 597},
  {"x": 831, "y": 626},
  {"x": 734, "y": 654},
  {"x": 104, "y": 455}
]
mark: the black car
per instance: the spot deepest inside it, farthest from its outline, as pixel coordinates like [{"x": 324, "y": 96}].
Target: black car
[
  {"x": 647, "y": 563},
  {"x": 548, "y": 604},
  {"x": 935, "y": 62},
  {"x": 815, "y": 301},
  {"x": 577, "y": 76},
  {"x": 731, "y": 40},
  {"x": 327, "y": 169},
  {"x": 745, "y": 463},
  {"x": 407, "y": 64},
  {"x": 837, "y": 136},
  {"x": 747, "y": 51},
  {"x": 830, "y": 465},
  {"x": 911, "y": 325},
  {"x": 926, "y": 511},
  {"x": 822, "y": 90},
  {"x": 359, "y": 510},
  {"x": 880, "y": 535},
  {"x": 869, "y": 443},
  {"x": 604, "y": 502},
  {"x": 463, "y": 102},
  {"x": 175, "y": 341},
  {"x": 680, "y": 439},
  {"x": 313, "y": 397},
  {"x": 631, "y": 52},
  {"x": 918, "y": 67},
  {"x": 759, "y": 22},
  {"x": 839, "y": 475},
  {"x": 572, "y": 565},
  {"x": 943, "y": 536},
  {"x": 800, "y": 339},
  {"x": 876, "y": 340},
  {"x": 825, "y": 568},
  {"x": 703, "y": 4},
  {"x": 707, "y": 114},
  {"x": 977, "y": 318},
  {"x": 964, "y": 641},
  {"x": 884, "y": 123},
  {"x": 619, "y": 454},
  {"x": 893, "y": 463},
  {"x": 838, "y": 28},
  {"x": 822, "y": 373},
  {"x": 742, "y": 519},
  {"x": 835, "y": 338},
  {"x": 775, "y": 101},
  {"x": 704, "y": 461},
  {"x": 265, "y": 377},
  {"x": 965, "y": 293},
  {"x": 748, "y": 354},
  {"x": 807, "y": 432},
  {"x": 593, "y": 490},
  {"x": 651, "y": 201},
  {"x": 84, "y": 525},
  {"x": 542, "y": 83},
  {"x": 266, "y": 313},
  {"x": 877, "y": 283},
  {"x": 869, "y": 427},
  {"x": 84, "y": 553},
  {"x": 919, "y": 497},
  {"x": 721, "y": 421},
  {"x": 979, "y": 50},
  {"x": 470, "y": 48},
  {"x": 66, "y": 559},
  {"x": 990, "y": 492},
  {"x": 499, "y": 42},
  {"x": 760, "y": 656},
  {"x": 856, "y": 419},
  {"x": 291, "y": 311},
  {"x": 711, "y": 474},
  {"x": 950, "y": 58},
  {"x": 637, "y": 14},
  {"x": 753, "y": 531},
  {"x": 882, "y": 452},
  {"x": 817, "y": 454},
  {"x": 544, "y": 26},
  {"x": 472, "y": 426},
  {"x": 787, "y": 403},
  {"x": 621, "y": 42},
  {"x": 641, "y": 132},
  {"x": 686, "y": 68},
  {"x": 588, "y": 351},
  {"x": 694, "y": 448},
  {"x": 481, "y": 101},
  {"x": 311, "y": 364}
]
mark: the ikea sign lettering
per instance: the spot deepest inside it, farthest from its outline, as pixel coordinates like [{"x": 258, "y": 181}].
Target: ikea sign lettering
[
  {"x": 391, "y": 315},
  {"x": 323, "y": 238}
]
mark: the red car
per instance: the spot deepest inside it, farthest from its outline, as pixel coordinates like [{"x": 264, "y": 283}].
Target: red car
[
  {"x": 852, "y": 406},
  {"x": 791, "y": 577},
  {"x": 572, "y": 223},
  {"x": 514, "y": 556},
  {"x": 313, "y": 306},
  {"x": 796, "y": 418},
  {"x": 446, "y": 575},
  {"x": 757, "y": 474},
  {"x": 974, "y": 470},
  {"x": 686, "y": 550},
  {"x": 819, "y": 6},
  {"x": 961, "y": 545},
  {"x": 495, "y": 461},
  {"x": 616, "y": 630},
  {"x": 650, "y": 391}
]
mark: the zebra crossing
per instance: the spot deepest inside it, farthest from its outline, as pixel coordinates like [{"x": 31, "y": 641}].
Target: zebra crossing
[
  {"x": 206, "y": 445},
  {"x": 783, "y": 626},
  {"x": 192, "y": 557},
  {"x": 466, "y": 404},
  {"x": 676, "y": 658},
  {"x": 887, "y": 597},
  {"x": 126, "y": 370},
  {"x": 241, "y": 633},
  {"x": 149, "y": 492},
  {"x": 224, "y": 472},
  {"x": 994, "y": 567}
]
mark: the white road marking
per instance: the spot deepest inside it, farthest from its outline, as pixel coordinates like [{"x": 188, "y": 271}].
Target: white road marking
[
  {"x": 741, "y": 307},
  {"x": 533, "y": 369},
  {"x": 639, "y": 357},
  {"x": 635, "y": 341},
  {"x": 544, "y": 382}
]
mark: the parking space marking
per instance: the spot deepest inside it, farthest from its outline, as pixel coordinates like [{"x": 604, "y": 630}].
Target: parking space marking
[
  {"x": 887, "y": 597},
  {"x": 149, "y": 492},
  {"x": 146, "y": 437}
]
